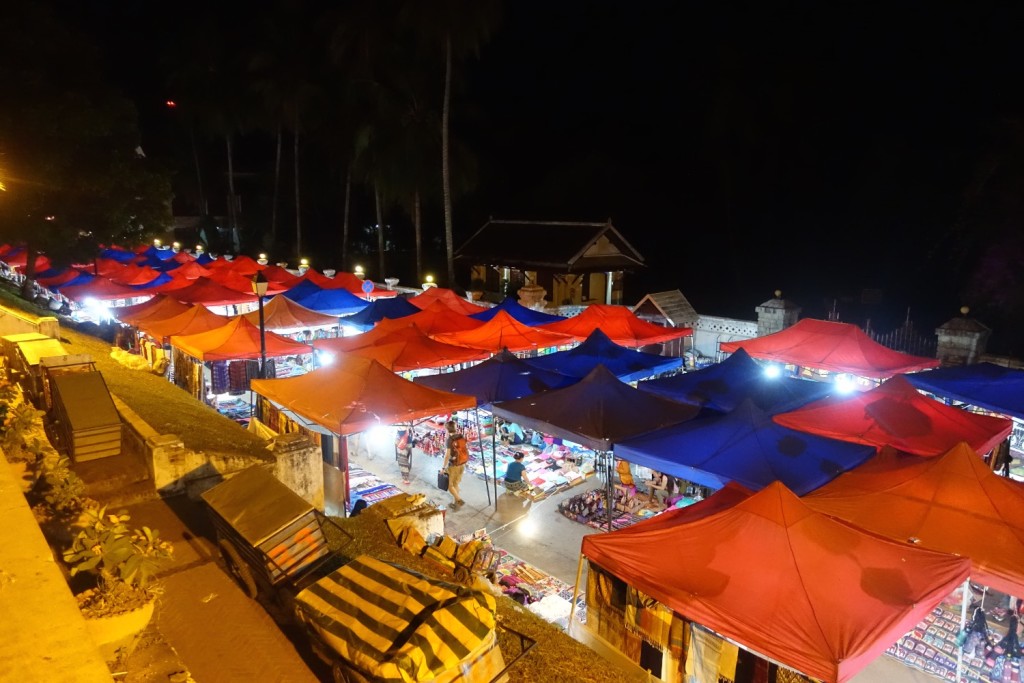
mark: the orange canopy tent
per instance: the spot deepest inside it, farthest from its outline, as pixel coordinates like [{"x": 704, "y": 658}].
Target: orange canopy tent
[
  {"x": 503, "y": 331},
  {"x": 355, "y": 394},
  {"x": 782, "y": 580},
  {"x": 898, "y": 415},
  {"x": 193, "y": 320},
  {"x": 243, "y": 283},
  {"x": 355, "y": 341},
  {"x": 448, "y": 298},
  {"x": 832, "y": 346},
  {"x": 189, "y": 271},
  {"x": 438, "y": 318},
  {"x": 417, "y": 350},
  {"x": 619, "y": 324},
  {"x": 281, "y": 314},
  {"x": 236, "y": 340},
  {"x": 953, "y": 503},
  {"x": 159, "y": 307}
]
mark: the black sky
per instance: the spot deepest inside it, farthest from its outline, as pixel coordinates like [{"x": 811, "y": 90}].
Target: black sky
[{"x": 817, "y": 148}]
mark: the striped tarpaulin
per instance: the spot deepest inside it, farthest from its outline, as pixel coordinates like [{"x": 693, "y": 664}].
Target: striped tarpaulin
[{"x": 398, "y": 625}]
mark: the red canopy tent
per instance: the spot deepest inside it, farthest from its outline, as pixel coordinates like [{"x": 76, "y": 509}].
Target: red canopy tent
[
  {"x": 953, "y": 503},
  {"x": 832, "y": 346},
  {"x": 619, "y": 324},
  {"x": 195, "y": 319},
  {"x": 238, "y": 339},
  {"x": 189, "y": 271},
  {"x": 66, "y": 275},
  {"x": 898, "y": 415},
  {"x": 159, "y": 307},
  {"x": 448, "y": 298},
  {"x": 102, "y": 289},
  {"x": 205, "y": 291},
  {"x": 243, "y": 265},
  {"x": 503, "y": 331},
  {"x": 281, "y": 314},
  {"x": 134, "y": 274},
  {"x": 243, "y": 283},
  {"x": 786, "y": 582},
  {"x": 355, "y": 394}
]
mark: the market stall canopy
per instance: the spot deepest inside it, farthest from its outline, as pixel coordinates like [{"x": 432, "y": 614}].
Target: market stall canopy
[
  {"x": 898, "y": 415},
  {"x": 281, "y": 314},
  {"x": 953, "y": 503},
  {"x": 832, "y": 346},
  {"x": 723, "y": 386},
  {"x": 597, "y": 412},
  {"x": 133, "y": 275},
  {"x": 243, "y": 283},
  {"x": 448, "y": 298},
  {"x": 417, "y": 350},
  {"x": 398, "y": 307},
  {"x": 502, "y": 377},
  {"x": 791, "y": 584},
  {"x": 338, "y": 301},
  {"x": 193, "y": 320},
  {"x": 238, "y": 339},
  {"x": 505, "y": 332},
  {"x": 620, "y": 324},
  {"x": 54, "y": 277},
  {"x": 743, "y": 446},
  {"x": 627, "y": 364},
  {"x": 984, "y": 385},
  {"x": 160, "y": 307},
  {"x": 355, "y": 394},
  {"x": 208, "y": 292},
  {"x": 101, "y": 289},
  {"x": 191, "y": 271},
  {"x": 382, "y": 329},
  {"x": 355, "y": 284},
  {"x": 437, "y": 318},
  {"x": 512, "y": 307}
]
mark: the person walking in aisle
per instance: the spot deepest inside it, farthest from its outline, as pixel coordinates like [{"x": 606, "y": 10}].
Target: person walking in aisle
[{"x": 456, "y": 455}]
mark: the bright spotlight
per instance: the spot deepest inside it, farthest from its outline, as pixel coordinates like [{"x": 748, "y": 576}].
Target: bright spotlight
[
  {"x": 844, "y": 384},
  {"x": 380, "y": 435},
  {"x": 527, "y": 527},
  {"x": 772, "y": 371},
  {"x": 324, "y": 358}
]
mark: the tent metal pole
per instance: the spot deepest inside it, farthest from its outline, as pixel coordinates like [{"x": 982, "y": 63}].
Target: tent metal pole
[
  {"x": 963, "y": 625},
  {"x": 483, "y": 456},
  {"x": 494, "y": 457},
  {"x": 608, "y": 488},
  {"x": 576, "y": 589}
]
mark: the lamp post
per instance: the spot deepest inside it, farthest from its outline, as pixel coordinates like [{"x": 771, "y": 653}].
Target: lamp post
[{"x": 259, "y": 288}]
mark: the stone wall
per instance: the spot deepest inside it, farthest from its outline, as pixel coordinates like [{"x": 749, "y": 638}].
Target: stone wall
[
  {"x": 13, "y": 322},
  {"x": 711, "y": 330}
]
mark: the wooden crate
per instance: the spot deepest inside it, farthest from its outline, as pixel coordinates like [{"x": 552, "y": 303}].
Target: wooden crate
[{"x": 87, "y": 423}]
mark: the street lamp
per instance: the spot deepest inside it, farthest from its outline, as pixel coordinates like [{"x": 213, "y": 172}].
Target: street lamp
[{"x": 259, "y": 288}]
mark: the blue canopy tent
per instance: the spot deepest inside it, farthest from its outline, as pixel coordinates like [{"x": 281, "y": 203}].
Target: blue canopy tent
[
  {"x": 723, "y": 386},
  {"x": 122, "y": 255},
  {"x": 337, "y": 301},
  {"x": 629, "y": 365},
  {"x": 502, "y": 377},
  {"x": 598, "y": 412},
  {"x": 744, "y": 446},
  {"x": 377, "y": 310},
  {"x": 161, "y": 279},
  {"x": 985, "y": 385},
  {"x": 526, "y": 316}
]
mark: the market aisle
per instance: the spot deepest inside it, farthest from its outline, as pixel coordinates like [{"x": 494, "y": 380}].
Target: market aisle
[{"x": 534, "y": 531}]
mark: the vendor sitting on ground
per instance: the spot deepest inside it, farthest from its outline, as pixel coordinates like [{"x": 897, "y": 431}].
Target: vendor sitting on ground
[{"x": 515, "y": 475}]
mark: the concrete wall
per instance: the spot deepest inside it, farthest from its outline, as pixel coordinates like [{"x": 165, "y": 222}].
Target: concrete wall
[
  {"x": 13, "y": 322},
  {"x": 44, "y": 634},
  {"x": 711, "y": 330}
]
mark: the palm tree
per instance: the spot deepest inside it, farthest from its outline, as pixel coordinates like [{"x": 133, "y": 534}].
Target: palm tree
[{"x": 457, "y": 30}]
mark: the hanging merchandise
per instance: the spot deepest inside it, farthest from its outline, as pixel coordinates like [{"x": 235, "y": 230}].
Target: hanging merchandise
[
  {"x": 219, "y": 381},
  {"x": 238, "y": 380}
]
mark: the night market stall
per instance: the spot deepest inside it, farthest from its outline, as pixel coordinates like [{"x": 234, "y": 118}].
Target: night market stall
[
  {"x": 502, "y": 331},
  {"x": 619, "y": 324},
  {"x": 722, "y": 386},
  {"x": 695, "y": 594},
  {"x": 511, "y": 306},
  {"x": 817, "y": 348},
  {"x": 629, "y": 365},
  {"x": 898, "y": 415}
]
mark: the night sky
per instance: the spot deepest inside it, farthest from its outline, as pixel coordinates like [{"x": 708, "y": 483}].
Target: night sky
[{"x": 817, "y": 148}]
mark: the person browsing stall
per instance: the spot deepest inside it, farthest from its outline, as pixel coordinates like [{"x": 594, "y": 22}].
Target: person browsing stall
[
  {"x": 456, "y": 455},
  {"x": 515, "y": 475}
]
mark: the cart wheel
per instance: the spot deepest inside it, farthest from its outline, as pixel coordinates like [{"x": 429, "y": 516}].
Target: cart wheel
[
  {"x": 462, "y": 575},
  {"x": 346, "y": 674},
  {"x": 238, "y": 568}
]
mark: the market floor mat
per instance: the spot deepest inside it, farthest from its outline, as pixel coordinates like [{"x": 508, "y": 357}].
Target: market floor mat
[
  {"x": 543, "y": 594},
  {"x": 931, "y": 647}
]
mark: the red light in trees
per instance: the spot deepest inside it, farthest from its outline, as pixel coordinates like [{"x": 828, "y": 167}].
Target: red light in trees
[{"x": 171, "y": 104}]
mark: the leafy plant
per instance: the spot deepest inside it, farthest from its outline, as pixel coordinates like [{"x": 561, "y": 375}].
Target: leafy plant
[
  {"x": 63, "y": 488},
  {"x": 17, "y": 423},
  {"x": 114, "y": 553}
]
